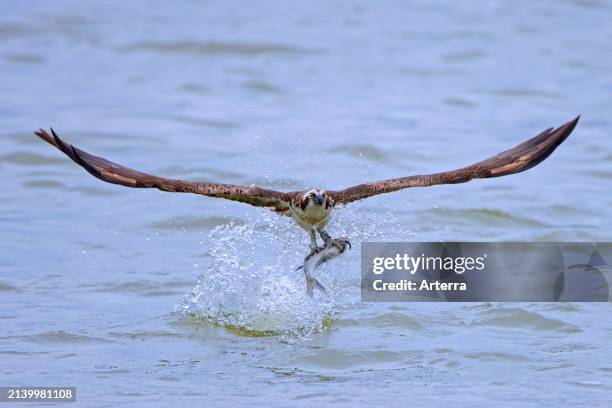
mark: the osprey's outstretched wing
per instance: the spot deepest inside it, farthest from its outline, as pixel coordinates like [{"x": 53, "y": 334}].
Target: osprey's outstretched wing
[
  {"x": 520, "y": 158},
  {"x": 117, "y": 174}
]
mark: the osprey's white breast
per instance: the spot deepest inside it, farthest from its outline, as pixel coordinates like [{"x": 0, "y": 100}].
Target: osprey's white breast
[{"x": 311, "y": 216}]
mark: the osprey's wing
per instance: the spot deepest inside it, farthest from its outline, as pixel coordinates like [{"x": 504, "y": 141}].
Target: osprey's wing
[
  {"x": 520, "y": 158},
  {"x": 117, "y": 174}
]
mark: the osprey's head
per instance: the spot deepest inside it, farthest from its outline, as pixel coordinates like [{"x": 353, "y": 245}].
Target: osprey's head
[{"x": 316, "y": 198}]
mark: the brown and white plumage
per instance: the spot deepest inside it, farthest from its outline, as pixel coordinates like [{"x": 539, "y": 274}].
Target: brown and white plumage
[
  {"x": 515, "y": 160},
  {"x": 311, "y": 209},
  {"x": 118, "y": 174}
]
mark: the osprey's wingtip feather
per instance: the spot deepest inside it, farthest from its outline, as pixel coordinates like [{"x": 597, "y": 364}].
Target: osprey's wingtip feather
[
  {"x": 526, "y": 155},
  {"x": 42, "y": 133},
  {"x": 515, "y": 160},
  {"x": 114, "y": 173}
]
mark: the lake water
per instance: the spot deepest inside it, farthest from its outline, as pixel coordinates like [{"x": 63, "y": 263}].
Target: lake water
[{"x": 143, "y": 298}]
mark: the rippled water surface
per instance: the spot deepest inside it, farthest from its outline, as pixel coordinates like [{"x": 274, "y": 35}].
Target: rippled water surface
[{"x": 143, "y": 298}]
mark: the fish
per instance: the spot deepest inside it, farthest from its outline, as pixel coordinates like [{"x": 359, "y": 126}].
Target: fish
[{"x": 314, "y": 261}]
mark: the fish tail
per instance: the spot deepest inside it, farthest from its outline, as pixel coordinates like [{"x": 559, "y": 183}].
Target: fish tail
[{"x": 311, "y": 283}]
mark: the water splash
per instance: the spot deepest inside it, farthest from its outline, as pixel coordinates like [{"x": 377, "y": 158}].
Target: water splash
[{"x": 252, "y": 288}]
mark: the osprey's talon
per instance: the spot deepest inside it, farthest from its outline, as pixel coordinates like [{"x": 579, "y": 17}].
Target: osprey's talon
[
  {"x": 340, "y": 243},
  {"x": 313, "y": 252}
]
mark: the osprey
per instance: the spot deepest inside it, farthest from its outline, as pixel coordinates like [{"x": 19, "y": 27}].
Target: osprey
[{"x": 311, "y": 209}]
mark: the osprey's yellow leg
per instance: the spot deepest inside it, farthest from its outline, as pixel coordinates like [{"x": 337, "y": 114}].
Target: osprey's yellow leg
[{"x": 314, "y": 246}]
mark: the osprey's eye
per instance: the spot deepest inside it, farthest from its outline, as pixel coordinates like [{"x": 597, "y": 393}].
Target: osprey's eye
[{"x": 311, "y": 196}]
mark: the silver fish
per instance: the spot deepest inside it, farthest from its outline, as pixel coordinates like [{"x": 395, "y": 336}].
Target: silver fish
[{"x": 316, "y": 260}]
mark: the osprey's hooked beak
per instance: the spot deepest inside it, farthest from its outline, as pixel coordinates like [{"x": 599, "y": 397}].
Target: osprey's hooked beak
[{"x": 318, "y": 199}]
